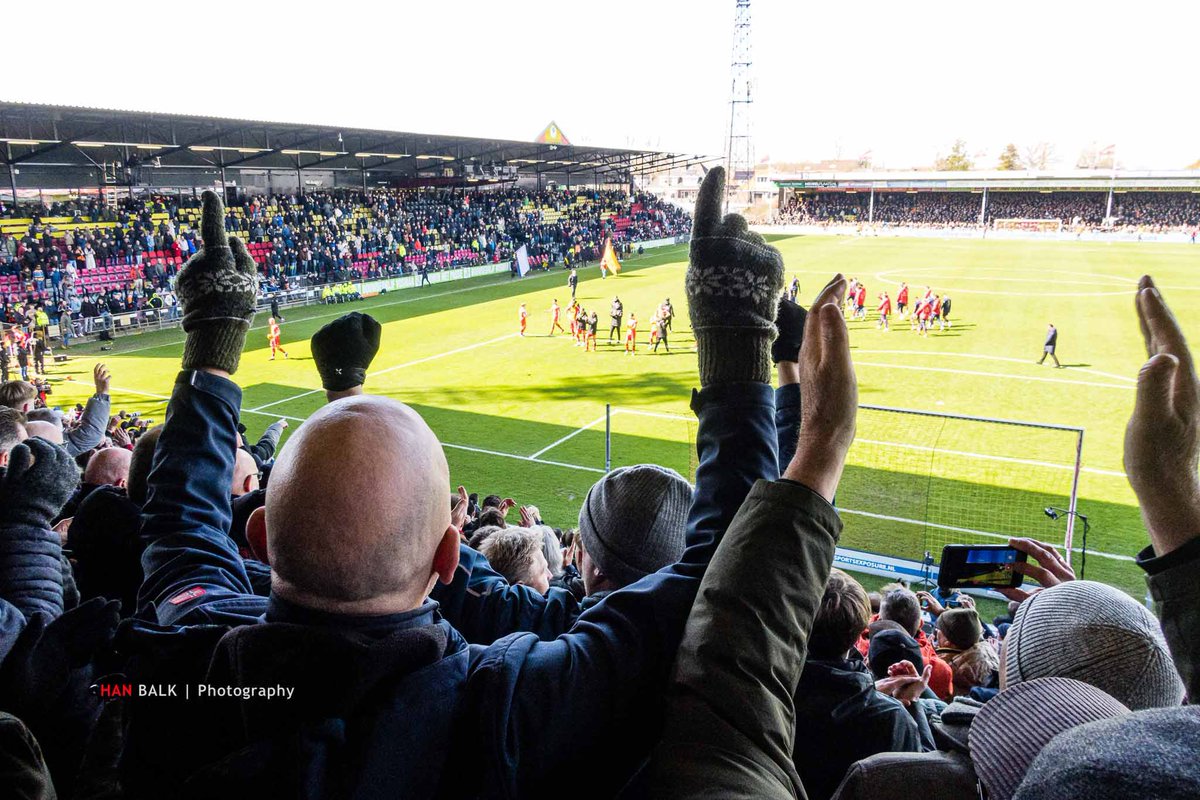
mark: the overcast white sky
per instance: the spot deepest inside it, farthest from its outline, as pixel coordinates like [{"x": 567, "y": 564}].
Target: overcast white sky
[{"x": 902, "y": 80}]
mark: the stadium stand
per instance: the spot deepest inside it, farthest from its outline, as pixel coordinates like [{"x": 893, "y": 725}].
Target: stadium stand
[
  {"x": 92, "y": 257},
  {"x": 1148, "y": 211}
]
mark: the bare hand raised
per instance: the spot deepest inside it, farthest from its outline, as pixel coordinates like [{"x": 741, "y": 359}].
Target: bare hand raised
[
  {"x": 830, "y": 390},
  {"x": 1162, "y": 439}
]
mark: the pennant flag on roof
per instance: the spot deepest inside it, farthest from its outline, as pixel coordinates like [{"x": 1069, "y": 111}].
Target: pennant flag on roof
[{"x": 551, "y": 134}]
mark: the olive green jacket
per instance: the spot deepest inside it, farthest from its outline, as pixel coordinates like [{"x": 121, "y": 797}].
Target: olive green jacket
[{"x": 730, "y": 723}]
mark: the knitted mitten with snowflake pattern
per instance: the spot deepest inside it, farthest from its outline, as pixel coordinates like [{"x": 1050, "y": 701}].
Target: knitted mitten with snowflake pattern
[
  {"x": 733, "y": 283},
  {"x": 218, "y": 290}
]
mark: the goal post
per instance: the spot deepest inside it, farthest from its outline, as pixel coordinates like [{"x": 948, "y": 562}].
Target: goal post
[
  {"x": 914, "y": 481},
  {"x": 918, "y": 480}
]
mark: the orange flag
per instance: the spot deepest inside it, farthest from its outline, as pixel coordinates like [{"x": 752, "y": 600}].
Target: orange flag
[{"x": 609, "y": 260}]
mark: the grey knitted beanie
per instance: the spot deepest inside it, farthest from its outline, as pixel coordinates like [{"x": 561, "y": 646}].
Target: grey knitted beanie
[
  {"x": 1144, "y": 754},
  {"x": 1096, "y": 634},
  {"x": 633, "y": 521},
  {"x": 1012, "y": 728}
]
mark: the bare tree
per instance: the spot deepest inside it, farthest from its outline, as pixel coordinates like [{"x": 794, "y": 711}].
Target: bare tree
[
  {"x": 1039, "y": 156},
  {"x": 1096, "y": 157}
]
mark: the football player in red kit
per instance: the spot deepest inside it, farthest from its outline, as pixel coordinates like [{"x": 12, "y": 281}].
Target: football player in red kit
[
  {"x": 554, "y": 314},
  {"x": 273, "y": 338}
]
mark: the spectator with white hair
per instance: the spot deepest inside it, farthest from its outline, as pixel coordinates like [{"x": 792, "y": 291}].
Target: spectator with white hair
[{"x": 519, "y": 555}]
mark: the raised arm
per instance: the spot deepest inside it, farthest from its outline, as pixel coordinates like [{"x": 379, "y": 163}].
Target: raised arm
[
  {"x": 193, "y": 571},
  {"x": 606, "y": 677},
  {"x": 730, "y": 725},
  {"x": 786, "y": 355},
  {"x": 1162, "y": 448},
  {"x": 94, "y": 421},
  {"x": 264, "y": 448}
]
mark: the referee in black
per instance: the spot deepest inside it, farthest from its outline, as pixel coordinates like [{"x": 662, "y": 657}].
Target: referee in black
[{"x": 1050, "y": 345}]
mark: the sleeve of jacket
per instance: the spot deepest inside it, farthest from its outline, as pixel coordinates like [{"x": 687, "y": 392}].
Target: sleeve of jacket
[
  {"x": 12, "y": 622},
  {"x": 193, "y": 572},
  {"x": 787, "y": 422},
  {"x": 1176, "y": 592},
  {"x": 611, "y": 668},
  {"x": 264, "y": 449},
  {"x": 484, "y": 607},
  {"x": 92, "y": 424},
  {"x": 730, "y": 723},
  {"x": 31, "y": 570}
]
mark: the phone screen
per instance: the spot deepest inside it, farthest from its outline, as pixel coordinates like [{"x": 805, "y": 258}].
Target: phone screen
[{"x": 987, "y": 567}]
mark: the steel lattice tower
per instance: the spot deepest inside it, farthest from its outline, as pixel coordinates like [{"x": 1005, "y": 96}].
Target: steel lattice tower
[{"x": 739, "y": 145}]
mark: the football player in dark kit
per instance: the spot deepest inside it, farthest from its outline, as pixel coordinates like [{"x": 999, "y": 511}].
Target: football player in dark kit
[{"x": 1050, "y": 345}]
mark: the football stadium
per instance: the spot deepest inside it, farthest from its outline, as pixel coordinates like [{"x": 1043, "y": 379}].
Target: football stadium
[{"x": 379, "y": 462}]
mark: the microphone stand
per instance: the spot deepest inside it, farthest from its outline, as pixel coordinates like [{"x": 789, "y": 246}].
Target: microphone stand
[{"x": 1053, "y": 512}]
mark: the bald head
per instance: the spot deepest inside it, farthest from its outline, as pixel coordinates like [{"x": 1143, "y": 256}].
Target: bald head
[
  {"x": 108, "y": 467},
  {"x": 245, "y": 474},
  {"x": 361, "y": 530},
  {"x": 44, "y": 430}
]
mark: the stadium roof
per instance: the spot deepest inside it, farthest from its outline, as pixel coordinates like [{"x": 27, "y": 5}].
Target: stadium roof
[
  {"x": 1183, "y": 180},
  {"x": 69, "y": 136}
]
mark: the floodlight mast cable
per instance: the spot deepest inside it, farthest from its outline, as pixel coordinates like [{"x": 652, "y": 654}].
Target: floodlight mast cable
[{"x": 739, "y": 146}]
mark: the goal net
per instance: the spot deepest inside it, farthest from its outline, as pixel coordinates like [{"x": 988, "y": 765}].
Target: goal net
[
  {"x": 1052, "y": 225},
  {"x": 914, "y": 481}
]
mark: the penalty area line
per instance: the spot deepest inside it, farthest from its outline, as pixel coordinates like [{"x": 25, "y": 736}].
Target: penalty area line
[
  {"x": 569, "y": 436},
  {"x": 423, "y": 360}
]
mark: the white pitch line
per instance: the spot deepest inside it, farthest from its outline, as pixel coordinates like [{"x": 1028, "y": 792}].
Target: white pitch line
[
  {"x": 522, "y": 458},
  {"x": 570, "y": 435},
  {"x": 165, "y": 398},
  {"x": 414, "y": 363},
  {"x": 1008, "y": 359},
  {"x": 1009, "y": 459},
  {"x": 971, "y": 531},
  {"x": 655, "y": 414},
  {"x": 1004, "y": 375},
  {"x": 257, "y": 409},
  {"x": 436, "y": 356},
  {"x": 1031, "y": 462}
]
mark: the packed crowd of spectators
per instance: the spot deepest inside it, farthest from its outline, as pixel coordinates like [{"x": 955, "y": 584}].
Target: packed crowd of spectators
[
  {"x": 193, "y": 615},
  {"x": 306, "y": 240},
  {"x": 1143, "y": 211}
]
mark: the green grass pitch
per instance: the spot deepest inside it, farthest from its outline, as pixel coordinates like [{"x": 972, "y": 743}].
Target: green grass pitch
[{"x": 524, "y": 417}]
